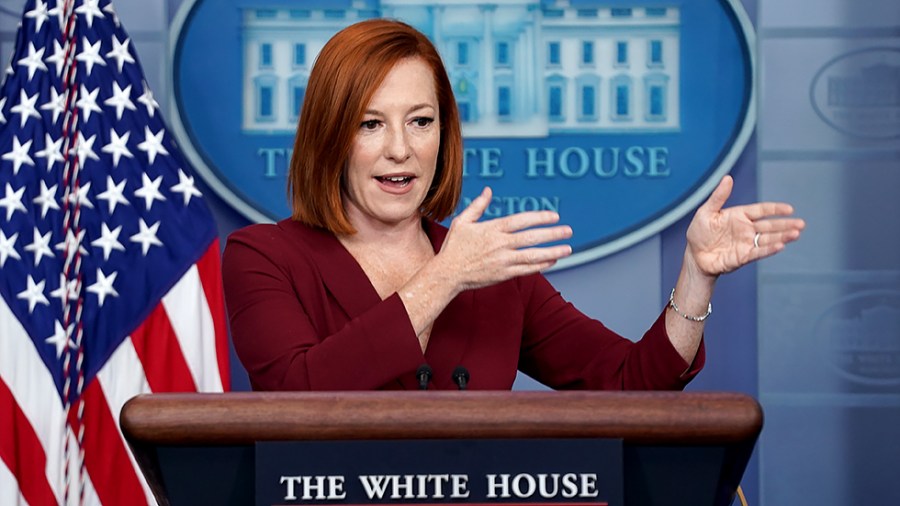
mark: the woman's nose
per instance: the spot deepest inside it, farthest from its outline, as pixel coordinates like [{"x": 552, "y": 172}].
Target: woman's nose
[{"x": 397, "y": 146}]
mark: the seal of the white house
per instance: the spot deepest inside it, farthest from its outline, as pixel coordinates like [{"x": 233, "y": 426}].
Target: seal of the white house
[
  {"x": 858, "y": 93},
  {"x": 858, "y": 335},
  {"x": 621, "y": 116}
]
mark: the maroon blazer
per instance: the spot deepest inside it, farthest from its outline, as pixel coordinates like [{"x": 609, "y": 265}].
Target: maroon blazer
[{"x": 304, "y": 316}]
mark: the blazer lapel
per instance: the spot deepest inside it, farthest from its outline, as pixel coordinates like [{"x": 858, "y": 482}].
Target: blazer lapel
[
  {"x": 351, "y": 288},
  {"x": 340, "y": 272},
  {"x": 453, "y": 329},
  {"x": 450, "y": 337}
]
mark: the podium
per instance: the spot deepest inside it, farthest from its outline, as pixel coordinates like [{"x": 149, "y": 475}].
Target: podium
[{"x": 678, "y": 448}]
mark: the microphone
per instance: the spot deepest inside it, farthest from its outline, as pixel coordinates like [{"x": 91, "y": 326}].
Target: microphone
[
  {"x": 423, "y": 374},
  {"x": 461, "y": 377}
]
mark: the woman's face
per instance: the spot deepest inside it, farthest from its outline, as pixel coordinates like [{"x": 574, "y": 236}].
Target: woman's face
[{"x": 394, "y": 154}]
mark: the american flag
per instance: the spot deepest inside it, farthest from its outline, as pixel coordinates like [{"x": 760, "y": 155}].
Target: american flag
[{"x": 109, "y": 260}]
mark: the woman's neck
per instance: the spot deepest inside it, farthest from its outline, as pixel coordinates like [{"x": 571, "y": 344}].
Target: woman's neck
[
  {"x": 381, "y": 235},
  {"x": 390, "y": 255}
]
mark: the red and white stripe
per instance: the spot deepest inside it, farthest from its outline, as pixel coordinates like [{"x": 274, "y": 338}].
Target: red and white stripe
[{"x": 181, "y": 346}]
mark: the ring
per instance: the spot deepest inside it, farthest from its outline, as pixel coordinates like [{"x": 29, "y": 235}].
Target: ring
[{"x": 756, "y": 240}]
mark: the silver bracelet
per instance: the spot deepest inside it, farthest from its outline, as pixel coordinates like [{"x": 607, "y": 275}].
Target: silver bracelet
[{"x": 687, "y": 316}]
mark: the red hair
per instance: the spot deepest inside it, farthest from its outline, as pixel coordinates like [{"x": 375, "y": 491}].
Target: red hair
[{"x": 347, "y": 72}]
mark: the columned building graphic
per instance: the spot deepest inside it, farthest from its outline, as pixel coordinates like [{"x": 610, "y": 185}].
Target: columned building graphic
[
  {"x": 874, "y": 86},
  {"x": 518, "y": 68}
]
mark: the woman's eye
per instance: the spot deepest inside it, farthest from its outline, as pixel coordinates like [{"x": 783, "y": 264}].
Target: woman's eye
[
  {"x": 371, "y": 124},
  {"x": 423, "y": 122}
]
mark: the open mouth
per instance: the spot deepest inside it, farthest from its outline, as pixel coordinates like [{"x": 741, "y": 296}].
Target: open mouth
[{"x": 396, "y": 181}]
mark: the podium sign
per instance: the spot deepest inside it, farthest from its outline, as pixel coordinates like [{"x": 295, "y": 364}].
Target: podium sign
[{"x": 484, "y": 472}]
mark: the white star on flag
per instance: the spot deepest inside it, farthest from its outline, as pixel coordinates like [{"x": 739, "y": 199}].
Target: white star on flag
[
  {"x": 13, "y": 201},
  {"x": 89, "y": 9},
  {"x": 109, "y": 240},
  {"x": 19, "y": 155},
  {"x": 58, "y": 58},
  {"x": 40, "y": 246},
  {"x": 152, "y": 144},
  {"x": 34, "y": 294},
  {"x": 109, "y": 9},
  {"x": 150, "y": 190},
  {"x": 47, "y": 199},
  {"x": 104, "y": 286},
  {"x": 90, "y": 55},
  {"x": 8, "y": 248},
  {"x": 87, "y": 102},
  {"x": 67, "y": 291},
  {"x": 147, "y": 236},
  {"x": 147, "y": 99},
  {"x": 33, "y": 61},
  {"x": 57, "y": 104},
  {"x": 120, "y": 52},
  {"x": 86, "y": 148},
  {"x": 59, "y": 13},
  {"x": 39, "y": 14},
  {"x": 80, "y": 197},
  {"x": 2, "y": 105},
  {"x": 60, "y": 338},
  {"x": 114, "y": 194},
  {"x": 117, "y": 146},
  {"x": 25, "y": 108},
  {"x": 186, "y": 187},
  {"x": 72, "y": 241},
  {"x": 52, "y": 151},
  {"x": 121, "y": 100}
]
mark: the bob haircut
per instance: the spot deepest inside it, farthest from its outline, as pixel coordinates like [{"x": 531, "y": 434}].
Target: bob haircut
[{"x": 343, "y": 80}]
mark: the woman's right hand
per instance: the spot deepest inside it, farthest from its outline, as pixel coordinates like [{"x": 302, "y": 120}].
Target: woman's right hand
[{"x": 477, "y": 254}]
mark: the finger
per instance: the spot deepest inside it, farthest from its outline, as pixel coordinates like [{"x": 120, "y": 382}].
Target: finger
[
  {"x": 541, "y": 255},
  {"x": 476, "y": 208},
  {"x": 762, "y": 210},
  {"x": 779, "y": 225},
  {"x": 527, "y": 219},
  {"x": 777, "y": 239},
  {"x": 535, "y": 236},
  {"x": 526, "y": 269},
  {"x": 781, "y": 238},
  {"x": 720, "y": 195},
  {"x": 766, "y": 251}
]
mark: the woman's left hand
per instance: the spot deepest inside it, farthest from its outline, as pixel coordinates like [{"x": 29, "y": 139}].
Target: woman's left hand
[{"x": 722, "y": 240}]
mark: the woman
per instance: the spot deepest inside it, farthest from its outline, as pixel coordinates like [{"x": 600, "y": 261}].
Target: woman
[{"x": 361, "y": 286}]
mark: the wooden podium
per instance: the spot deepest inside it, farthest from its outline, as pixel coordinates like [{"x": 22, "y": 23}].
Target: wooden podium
[{"x": 678, "y": 448}]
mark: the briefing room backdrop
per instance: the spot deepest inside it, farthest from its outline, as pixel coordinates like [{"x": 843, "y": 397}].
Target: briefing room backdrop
[{"x": 814, "y": 334}]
